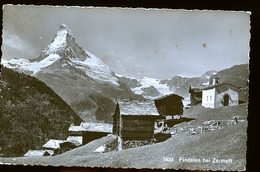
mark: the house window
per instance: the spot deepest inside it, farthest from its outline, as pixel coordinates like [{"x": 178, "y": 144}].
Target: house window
[
  {"x": 210, "y": 98},
  {"x": 207, "y": 98}
]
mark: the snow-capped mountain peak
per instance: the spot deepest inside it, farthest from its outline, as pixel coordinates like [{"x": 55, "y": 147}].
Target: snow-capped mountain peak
[
  {"x": 64, "y": 45},
  {"x": 64, "y": 27},
  {"x": 63, "y": 52},
  {"x": 59, "y": 41}
]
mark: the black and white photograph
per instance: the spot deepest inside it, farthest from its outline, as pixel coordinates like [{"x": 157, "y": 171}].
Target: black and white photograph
[{"x": 117, "y": 87}]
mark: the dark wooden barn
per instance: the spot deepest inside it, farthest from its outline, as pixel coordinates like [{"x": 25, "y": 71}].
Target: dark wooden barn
[
  {"x": 89, "y": 136},
  {"x": 169, "y": 105},
  {"x": 91, "y": 131},
  {"x": 195, "y": 95},
  {"x": 134, "y": 119}
]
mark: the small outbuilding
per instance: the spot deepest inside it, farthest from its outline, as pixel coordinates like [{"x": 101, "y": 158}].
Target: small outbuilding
[
  {"x": 91, "y": 131},
  {"x": 169, "y": 105},
  {"x": 60, "y": 146},
  {"x": 52, "y": 144},
  {"x": 135, "y": 119},
  {"x": 196, "y": 95},
  {"x": 77, "y": 140}
]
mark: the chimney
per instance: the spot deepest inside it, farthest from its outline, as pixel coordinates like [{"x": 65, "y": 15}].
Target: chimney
[{"x": 215, "y": 81}]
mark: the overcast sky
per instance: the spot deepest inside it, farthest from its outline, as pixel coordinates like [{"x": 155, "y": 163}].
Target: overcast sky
[{"x": 135, "y": 42}]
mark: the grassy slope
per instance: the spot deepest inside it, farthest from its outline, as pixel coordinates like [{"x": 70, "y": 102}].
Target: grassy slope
[
  {"x": 202, "y": 114},
  {"x": 207, "y": 145},
  {"x": 226, "y": 143}
]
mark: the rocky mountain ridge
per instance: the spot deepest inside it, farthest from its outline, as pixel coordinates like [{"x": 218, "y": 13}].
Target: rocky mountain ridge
[
  {"x": 149, "y": 87},
  {"x": 152, "y": 88}
]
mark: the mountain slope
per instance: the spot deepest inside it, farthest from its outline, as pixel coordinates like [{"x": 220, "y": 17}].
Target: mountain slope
[
  {"x": 180, "y": 85},
  {"x": 31, "y": 114},
  {"x": 236, "y": 75},
  {"x": 79, "y": 77}
]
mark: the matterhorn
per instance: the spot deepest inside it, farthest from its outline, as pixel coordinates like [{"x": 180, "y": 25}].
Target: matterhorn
[{"x": 87, "y": 84}]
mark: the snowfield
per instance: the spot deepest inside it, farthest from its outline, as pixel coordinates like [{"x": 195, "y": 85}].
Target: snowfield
[
  {"x": 147, "y": 82},
  {"x": 25, "y": 64},
  {"x": 95, "y": 69}
]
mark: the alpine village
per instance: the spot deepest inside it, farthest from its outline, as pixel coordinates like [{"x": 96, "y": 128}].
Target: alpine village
[{"x": 67, "y": 108}]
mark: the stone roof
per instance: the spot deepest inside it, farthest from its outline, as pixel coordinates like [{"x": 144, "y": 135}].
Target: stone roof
[
  {"x": 220, "y": 85},
  {"x": 39, "y": 153},
  {"x": 75, "y": 138},
  {"x": 169, "y": 95},
  {"x": 75, "y": 128},
  {"x": 137, "y": 107},
  {"x": 198, "y": 88},
  {"x": 52, "y": 144},
  {"x": 93, "y": 127}
]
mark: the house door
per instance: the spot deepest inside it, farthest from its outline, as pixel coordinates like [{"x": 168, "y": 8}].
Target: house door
[{"x": 226, "y": 100}]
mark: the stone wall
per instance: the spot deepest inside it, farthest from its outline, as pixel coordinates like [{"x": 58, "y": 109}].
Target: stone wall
[{"x": 233, "y": 100}]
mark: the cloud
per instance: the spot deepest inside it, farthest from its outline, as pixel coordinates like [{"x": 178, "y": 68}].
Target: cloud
[{"x": 13, "y": 44}]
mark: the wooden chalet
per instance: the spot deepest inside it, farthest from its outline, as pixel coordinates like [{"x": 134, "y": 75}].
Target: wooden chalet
[
  {"x": 134, "y": 119},
  {"x": 91, "y": 131},
  {"x": 169, "y": 105}
]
